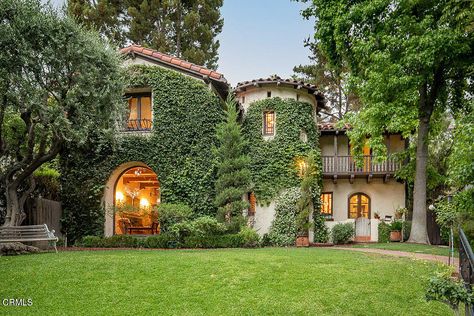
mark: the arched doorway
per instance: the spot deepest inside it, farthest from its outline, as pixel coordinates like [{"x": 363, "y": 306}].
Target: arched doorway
[
  {"x": 136, "y": 196},
  {"x": 116, "y": 181},
  {"x": 359, "y": 209}
]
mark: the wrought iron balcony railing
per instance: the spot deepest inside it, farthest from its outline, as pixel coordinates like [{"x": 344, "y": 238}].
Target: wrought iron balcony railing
[
  {"x": 346, "y": 165},
  {"x": 137, "y": 125}
]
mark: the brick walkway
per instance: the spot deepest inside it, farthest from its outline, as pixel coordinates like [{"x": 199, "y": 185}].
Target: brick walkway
[{"x": 413, "y": 255}]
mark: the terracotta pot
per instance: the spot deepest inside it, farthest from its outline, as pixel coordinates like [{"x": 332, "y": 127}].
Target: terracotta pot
[
  {"x": 302, "y": 241},
  {"x": 395, "y": 235}
]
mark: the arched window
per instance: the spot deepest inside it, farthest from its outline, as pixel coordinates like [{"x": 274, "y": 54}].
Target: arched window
[{"x": 359, "y": 205}]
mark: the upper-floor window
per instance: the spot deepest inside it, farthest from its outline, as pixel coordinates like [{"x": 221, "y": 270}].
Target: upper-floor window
[
  {"x": 140, "y": 112},
  {"x": 268, "y": 123}
]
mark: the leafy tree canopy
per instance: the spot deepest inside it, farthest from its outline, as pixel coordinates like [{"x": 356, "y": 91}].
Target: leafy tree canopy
[
  {"x": 407, "y": 59},
  {"x": 185, "y": 28},
  {"x": 57, "y": 84}
]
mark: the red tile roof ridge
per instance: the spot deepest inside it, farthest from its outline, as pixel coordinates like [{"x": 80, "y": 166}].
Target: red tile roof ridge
[
  {"x": 327, "y": 126},
  {"x": 172, "y": 61}
]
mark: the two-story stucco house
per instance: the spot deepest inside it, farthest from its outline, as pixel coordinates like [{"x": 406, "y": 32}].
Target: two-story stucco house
[{"x": 153, "y": 165}]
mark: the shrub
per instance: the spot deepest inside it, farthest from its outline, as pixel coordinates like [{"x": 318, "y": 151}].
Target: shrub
[
  {"x": 116, "y": 241},
  {"x": 122, "y": 241},
  {"x": 283, "y": 230},
  {"x": 396, "y": 225},
  {"x": 342, "y": 233},
  {"x": 163, "y": 240},
  {"x": 443, "y": 288},
  {"x": 249, "y": 237},
  {"x": 321, "y": 231},
  {"x": 384, "y": 232},
  {"x": 221, "y": 241},
  {"x": 202, "y": 227},
  {"x": 207, "y": 226},
  {"x": 170, "y": 214},
  {"x": 90, "y": 242}
]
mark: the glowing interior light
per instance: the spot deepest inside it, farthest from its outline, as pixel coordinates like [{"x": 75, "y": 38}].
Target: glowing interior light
[
  {"x": 119, "y": 196},
  {"x": 144, "y": 203}
]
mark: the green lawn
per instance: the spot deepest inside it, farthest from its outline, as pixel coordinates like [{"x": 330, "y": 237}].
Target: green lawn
[
  {"x": 311, "y": 281},
  {"x": 433, "y": 250}
]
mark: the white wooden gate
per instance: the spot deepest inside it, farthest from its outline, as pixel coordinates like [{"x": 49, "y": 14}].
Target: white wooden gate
[{"x": 362, "y": 228}]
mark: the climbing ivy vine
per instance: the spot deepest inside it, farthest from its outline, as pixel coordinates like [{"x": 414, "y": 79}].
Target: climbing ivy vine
[
  {"x": 178, "y": 150},
  {"x": 275, "y": 161}
]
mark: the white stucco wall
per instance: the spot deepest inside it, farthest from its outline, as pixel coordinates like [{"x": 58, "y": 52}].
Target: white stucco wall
[
  {"x": 264, "y": 216},
  {"x": 385, "y": 199},
  {"x": 395, "y": 143},
  {"x": 258, "y": 93},
  {"x": 326, "y": 142}
]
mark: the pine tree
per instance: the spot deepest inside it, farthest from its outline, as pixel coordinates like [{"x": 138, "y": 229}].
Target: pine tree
[
  {"x": 184, "y": 28},
  {"x": 233, "y": 174}
]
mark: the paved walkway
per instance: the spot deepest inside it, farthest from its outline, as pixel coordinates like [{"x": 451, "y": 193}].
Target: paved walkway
[{"x": 413, "y": 255}]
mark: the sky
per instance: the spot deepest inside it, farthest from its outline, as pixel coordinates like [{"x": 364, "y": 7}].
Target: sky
[{"x": 260, "y": 38}]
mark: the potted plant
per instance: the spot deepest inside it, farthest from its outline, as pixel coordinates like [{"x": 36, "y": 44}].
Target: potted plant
[
  {"x": 303, "y": 225},
  {"x": 396, "y": 230}
]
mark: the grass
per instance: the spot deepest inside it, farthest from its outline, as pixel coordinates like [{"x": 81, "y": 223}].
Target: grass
[
  {"x": 427, "y": 249},
  {"x": 274, "y": 281}
]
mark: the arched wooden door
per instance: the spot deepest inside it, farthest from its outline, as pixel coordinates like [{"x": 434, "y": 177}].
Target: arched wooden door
[{"x": 359, "y": 209}]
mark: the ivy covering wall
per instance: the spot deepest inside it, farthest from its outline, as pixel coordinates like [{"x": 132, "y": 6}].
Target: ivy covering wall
[
  {"x": 179, "y": 151},
  {"x": 275, "y": 161}
]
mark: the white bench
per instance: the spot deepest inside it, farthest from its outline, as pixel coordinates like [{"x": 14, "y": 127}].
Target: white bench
[{"x": 27, "y": 234}]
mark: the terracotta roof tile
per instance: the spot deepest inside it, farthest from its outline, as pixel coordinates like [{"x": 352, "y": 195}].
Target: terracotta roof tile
[
  {"x": 204, "y": 71},
  {"x": 275, "y": 79},
  {"x": 332, "y": 127},
  {"x": 173, "y": 61}
]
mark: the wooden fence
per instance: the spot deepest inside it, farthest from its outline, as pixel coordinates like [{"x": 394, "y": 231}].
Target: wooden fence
[{"x": 44, "y": 211}]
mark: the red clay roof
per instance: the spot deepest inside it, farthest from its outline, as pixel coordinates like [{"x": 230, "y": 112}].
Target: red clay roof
[
  {"x": 275, "y": 79},
  {"x": 173, "y": 61},
  {"x": 332, "y": 127}
]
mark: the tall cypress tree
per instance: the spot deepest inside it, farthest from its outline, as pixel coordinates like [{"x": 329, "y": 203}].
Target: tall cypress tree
[
  {"x": 233, "y": 168},
  {"x": 184, "y": 28}
]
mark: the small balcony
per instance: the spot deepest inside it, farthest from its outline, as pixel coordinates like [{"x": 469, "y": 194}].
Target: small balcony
[
  {"x": 346, "y": 167},
  {"x": 137, "y": 125}
]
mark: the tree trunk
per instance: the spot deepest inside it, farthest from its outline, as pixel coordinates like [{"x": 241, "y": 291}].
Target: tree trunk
[
  {"x": 419, "y": 232},
  {"x": 16, "y": 204},
  {"x": 13, "y": 206}
]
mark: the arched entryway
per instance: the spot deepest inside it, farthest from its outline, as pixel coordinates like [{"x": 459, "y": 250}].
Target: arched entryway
[
  {"x": 131, "y": 197},
  {"x": 359, "y": 209}
]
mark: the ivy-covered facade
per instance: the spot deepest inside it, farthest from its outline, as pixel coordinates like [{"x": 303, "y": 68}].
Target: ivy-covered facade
[
  {"x": 162, "y": 151},
  {"x": 174, "y": 140},
  {"x": 177, "y": 147}
]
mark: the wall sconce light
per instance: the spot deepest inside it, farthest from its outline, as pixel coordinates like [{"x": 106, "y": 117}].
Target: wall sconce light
[{"x": 119, "y": 197}]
